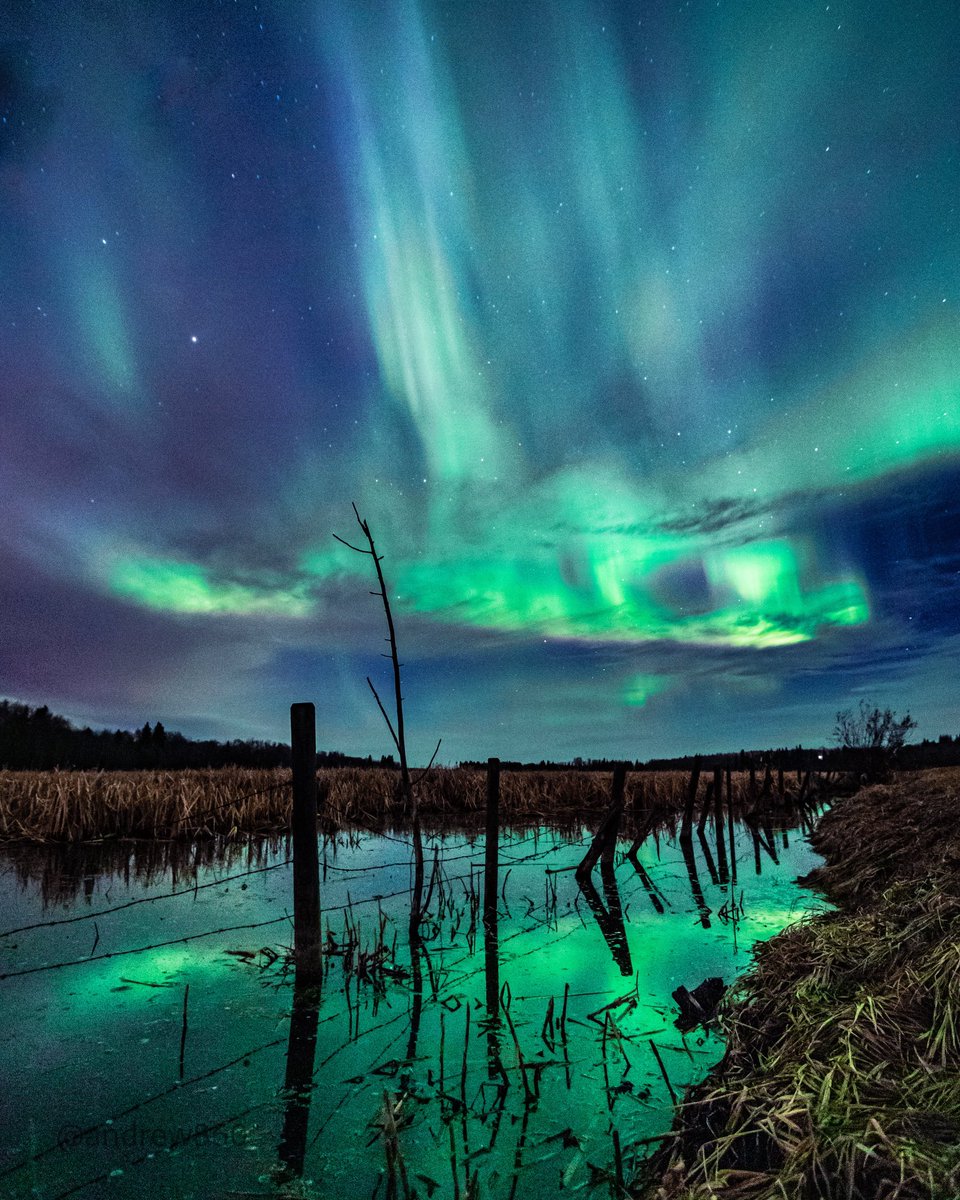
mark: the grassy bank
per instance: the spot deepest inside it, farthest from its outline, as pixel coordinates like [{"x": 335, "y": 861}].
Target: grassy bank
[
  {"x": 89, "y": 805},
  {"x": 842, "y": 1074}
]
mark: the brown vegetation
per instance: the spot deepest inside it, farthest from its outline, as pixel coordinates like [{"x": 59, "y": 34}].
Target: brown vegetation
[{"x": 89, "y": 805}]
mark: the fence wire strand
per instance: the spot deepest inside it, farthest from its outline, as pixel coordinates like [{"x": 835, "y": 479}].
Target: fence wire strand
[{"x": 102, "y": 912}]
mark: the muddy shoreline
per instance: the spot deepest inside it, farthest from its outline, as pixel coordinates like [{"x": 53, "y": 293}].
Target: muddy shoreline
[{"x": 842, "y": 1073}]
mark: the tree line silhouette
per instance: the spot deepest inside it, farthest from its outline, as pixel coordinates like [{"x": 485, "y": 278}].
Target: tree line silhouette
[{"x": 35, "y": 739}]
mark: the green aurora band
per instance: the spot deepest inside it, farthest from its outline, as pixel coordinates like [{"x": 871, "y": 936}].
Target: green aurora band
[{"x": 527, "y": 259}]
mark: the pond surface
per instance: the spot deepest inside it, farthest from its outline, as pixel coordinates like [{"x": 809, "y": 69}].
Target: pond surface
[{"x": 176, "y": 1070}]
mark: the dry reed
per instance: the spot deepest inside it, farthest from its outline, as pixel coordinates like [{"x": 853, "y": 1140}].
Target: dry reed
[
  {"x": 72, "y": 806},
  {"x": 87, "y": 805}
]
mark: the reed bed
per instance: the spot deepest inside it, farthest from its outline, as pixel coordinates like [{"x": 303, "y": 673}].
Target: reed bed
[
  {"x": 72, "y": 806},
  {"x": 83, "y": 806},
  {"x": 842, "y": 1073}
]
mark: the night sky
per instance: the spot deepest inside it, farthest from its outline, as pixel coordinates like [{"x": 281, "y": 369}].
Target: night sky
[{"x": 632, "y": 328}]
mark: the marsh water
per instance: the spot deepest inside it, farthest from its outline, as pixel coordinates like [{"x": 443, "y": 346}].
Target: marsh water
[{"x": 170, "y": 1055}]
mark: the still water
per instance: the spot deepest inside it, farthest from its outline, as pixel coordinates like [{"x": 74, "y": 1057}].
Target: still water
[{"x": 185, "y": 1070}]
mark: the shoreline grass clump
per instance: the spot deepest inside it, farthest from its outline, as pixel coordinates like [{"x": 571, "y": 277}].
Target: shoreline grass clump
[{"x": 842, "y": 1072}]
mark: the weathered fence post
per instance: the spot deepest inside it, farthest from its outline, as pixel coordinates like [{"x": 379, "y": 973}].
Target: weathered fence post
[
  {"x": 718, "y": 827},
  {"x": 686, "y": 828},
  {"x": 617, "y": 790},
  {"x": 298, "y": 1080},
  {"x": 605, "y": 840},
  {"x": 639, "y": 797},
  {"x": 733, "y": 845},
  {"x": 491, "y": 853},
  {"x": 491, "y": 943},
  {"x": 306, "y": 863},
  {"x": 708, "y": 799}
]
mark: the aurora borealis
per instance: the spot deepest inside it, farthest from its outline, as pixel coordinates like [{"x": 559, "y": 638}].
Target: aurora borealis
[{"x": 632, "y": 329}]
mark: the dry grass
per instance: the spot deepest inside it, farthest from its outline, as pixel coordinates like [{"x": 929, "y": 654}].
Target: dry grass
[
  {"x": 88, "y": 805},
  {"x": 72, "y": 806},
  {"x": 842, "y": 1074}
]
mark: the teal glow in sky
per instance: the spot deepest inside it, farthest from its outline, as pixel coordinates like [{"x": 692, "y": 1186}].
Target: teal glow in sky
[{"x": 633, "y": 331}]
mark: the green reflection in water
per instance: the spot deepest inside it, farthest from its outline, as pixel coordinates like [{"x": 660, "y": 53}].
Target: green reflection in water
[{"x": 87, "y": 1043}]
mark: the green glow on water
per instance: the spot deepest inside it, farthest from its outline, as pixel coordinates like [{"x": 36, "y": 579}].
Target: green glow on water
[{"x": 79, "y": 1030}]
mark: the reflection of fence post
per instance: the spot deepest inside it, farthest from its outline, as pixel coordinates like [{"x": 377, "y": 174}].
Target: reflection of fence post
[
  {"x": 306, "y": 865},
  {"x": 298, "y": 1080},
  {"x": 491, "y": 858}
]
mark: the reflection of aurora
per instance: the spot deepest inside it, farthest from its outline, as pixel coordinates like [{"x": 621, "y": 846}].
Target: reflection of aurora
[{"x": 98, "y": 1039}]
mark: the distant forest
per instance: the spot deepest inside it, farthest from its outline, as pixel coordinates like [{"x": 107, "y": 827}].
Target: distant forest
[{"x": 35, "y": 739}]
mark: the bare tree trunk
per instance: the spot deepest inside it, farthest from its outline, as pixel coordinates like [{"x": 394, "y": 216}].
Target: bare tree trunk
[{"x": 406, "y": 788}]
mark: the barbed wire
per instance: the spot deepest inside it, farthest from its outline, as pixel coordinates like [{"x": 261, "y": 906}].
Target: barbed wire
[
  {"x": 78, "y": 962},
  {"x": 476, "y": 852},
  {"x": 350, "y": 904},
  {"x": 192, "y": 890},
  {"x": 260, "y": 791},
  {"x": 190, "y": 937},
  {"x": 80, "y": 1134},
  {"x": 102, "y": 912}
]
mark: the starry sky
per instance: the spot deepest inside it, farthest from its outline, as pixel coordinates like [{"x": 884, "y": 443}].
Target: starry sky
[{"x": 631, "y": 328}]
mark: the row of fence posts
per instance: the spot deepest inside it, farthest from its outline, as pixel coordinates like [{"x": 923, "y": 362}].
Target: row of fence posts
[
  {"x": 307, "y": 938},
  {"x": 306, "y": 871},
  {"x": 308, "y": 943}
]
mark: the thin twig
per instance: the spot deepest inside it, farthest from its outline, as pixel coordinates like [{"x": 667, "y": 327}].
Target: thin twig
[
  {"x": 426, "y": 770},
  {"x": 350, "y": 545},
  {"x": 384, "y": 711}
]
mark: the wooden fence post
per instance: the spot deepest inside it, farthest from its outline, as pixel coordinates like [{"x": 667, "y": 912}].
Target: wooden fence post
[
  {"x": 605, "y": 840},
  {"x": 686, "y": 828},
  {"x": 307, "y": 942},
  {"x": 491, "y": 856},
  {"x": 491, "y": 943},
  {"x": 618, "y": 787},
  {"x": 733, "y": 844},
  {"x": 718, "y": 827}
]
